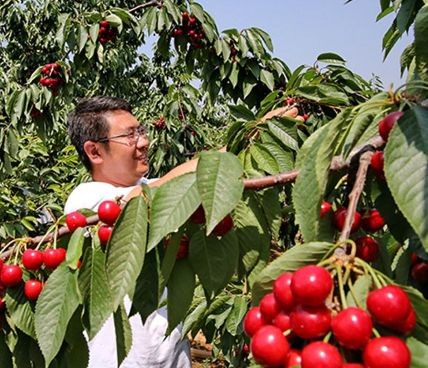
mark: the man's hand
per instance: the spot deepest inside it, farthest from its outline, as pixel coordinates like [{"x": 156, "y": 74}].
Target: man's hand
[{"x": 291, "y": 112}]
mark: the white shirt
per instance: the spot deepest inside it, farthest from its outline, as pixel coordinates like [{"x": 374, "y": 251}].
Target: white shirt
[{"x": 150, "y": 348}]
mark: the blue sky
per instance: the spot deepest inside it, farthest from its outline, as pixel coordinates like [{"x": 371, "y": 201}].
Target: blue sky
[{"x": 303, "y": 29}]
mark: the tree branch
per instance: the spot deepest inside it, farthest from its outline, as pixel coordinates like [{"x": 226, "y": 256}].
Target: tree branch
[{"x": 146, "y": 5}]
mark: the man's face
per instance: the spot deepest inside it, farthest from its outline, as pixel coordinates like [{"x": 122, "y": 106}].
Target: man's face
[{"x": 125, "y": 159}]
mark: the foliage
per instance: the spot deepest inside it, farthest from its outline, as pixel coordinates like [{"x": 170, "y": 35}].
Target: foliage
[{"x": 200, "y": 89}]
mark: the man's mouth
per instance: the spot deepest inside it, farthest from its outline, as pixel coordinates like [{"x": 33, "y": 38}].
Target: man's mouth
[{"x": 143, "y": 159}]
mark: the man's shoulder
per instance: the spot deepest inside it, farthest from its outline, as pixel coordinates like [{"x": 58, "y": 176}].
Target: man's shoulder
[{"x": 91, "y": 194}]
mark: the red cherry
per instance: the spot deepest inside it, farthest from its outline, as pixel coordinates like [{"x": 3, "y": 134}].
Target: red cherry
[
  {"x": 224, "y": 226},
  {"x": 294, "y": 359},
  {"x": 352, "y": 365},
  {"x": 32, "y": 289},
  {"x": 339, "y": 217},
  {"x": 2, "y": 304},
  {"x": 419, "y": 272},
  {"x": 311, "y": 285},
  {"x": 310, "y": 322},
  {"x": 269, "y": 307},
  {"x": 104, "y": 23},
  {"x": 253, "y": 321},
  {"x": 1, "y": 263},
  {"x": 377, "y": 163},
  {"x": 104, "y": 233},
  {"x": 270, "y": 347},
  {"x": 183, "y": 248},
  {"x": 352, "y": 328},
  {"x": 32, "y": 259},
  {"x": 386, "y": 352},
  {"x": 372, "y": 221},
  {"x": 325, "y": 208},
  {"x": 52, "y": 258},
  {"x": 388, "y": 305},
  {"x": 108, "y": 212},
  {"x": 198, "y": 217},
  {"x": 321, "y": 355},
  {"x": 386, "y": 124},
  {"x": 10, "y": 275},
  {"x": 75, "y": 220},
  {"x": 282, "y": 321},
  {"x": 367, "y": 248},
  {"x": 185, "y": 16},
  {"x": 282, "y": 290},
  {"x": 407, "y": 326}
]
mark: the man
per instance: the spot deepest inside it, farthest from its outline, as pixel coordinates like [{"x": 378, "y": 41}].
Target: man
[{"x": 113, "y": 146}]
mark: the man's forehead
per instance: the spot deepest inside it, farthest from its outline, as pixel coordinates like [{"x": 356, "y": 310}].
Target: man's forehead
[{"x": 121, "y": 119}]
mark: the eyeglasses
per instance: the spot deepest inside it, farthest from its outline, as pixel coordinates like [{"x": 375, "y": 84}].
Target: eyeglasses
[{"x": 132, "y": 137}]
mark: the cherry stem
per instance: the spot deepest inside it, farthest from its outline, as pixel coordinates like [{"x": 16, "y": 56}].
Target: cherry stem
[
  {"x": 341, "y": 287},
  {"x": 369, "y": 270},
  {"x": 327, "y": 337}
]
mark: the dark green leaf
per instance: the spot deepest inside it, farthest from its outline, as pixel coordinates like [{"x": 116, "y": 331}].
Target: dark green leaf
[
  {"x": 220, "y": 185},
  {"x": 421, "y": 40},
  {"x": 126, "y": 249},
  {"x": 181, "y": 286},
  {"x": 264, "y": 158},
  {"x": 172, "y": 205},
  {"x": 94, "y": 287},
  {"x": 74, "y": 248},
  {"x": 21, "y": 310},
  {"x": 214, "y": 259},
  {"x": 406, "y": 167},
  {"x": 55, "y": 306},
  {"x": 123, "y": 333},
  {"x": 268, "y": 79},
  {"x": 419, "y": 352},
  {"x": 331, "y": 57},
  {"x": 236, "y": 315}
]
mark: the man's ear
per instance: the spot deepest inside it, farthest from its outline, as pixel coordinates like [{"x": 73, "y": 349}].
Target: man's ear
[{"x": 92, "y": 149}]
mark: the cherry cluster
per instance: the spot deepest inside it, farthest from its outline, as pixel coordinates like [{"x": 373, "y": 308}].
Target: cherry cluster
[
  {"x": 35, "y": 262},
  {"x": 106, "y": 33},
  {"x": 369, "y": 220},
  {"x": 191, "y": 29},
  {"x": 39, "y": 263},
  {"x": 160, "y": 124},
  {"x": 292, "y": 325},
  {"x": 51, "y": 76}
]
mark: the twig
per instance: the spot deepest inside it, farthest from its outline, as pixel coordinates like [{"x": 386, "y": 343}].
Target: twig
[
  {"x": 146, "y": 5},
  {"x": 355, "y": 194}
]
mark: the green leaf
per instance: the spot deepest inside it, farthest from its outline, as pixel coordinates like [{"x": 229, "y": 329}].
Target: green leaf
[
  {"x": 314, "y": 160},
  {"x": 146, "y": 294},
  {"x": 114, "y": 21},
  {"x": 194, "y": 318},
  {"x": 94, "y": 287},
  {"x": 233, "y": 76},
  {"x": 214, "y": 259},
  {"x": 55, "y": 306},
  {"x": 405, "y": 15},
  {"x": 126, "y": 249},
  {"x": 59, "y": 37},
  {"x": 419, "y": 352},
  {"x": 123, "y": 333},
  {"x": 267, "y": 78},
  {"x": 241, "y": 112},
  {"x": 294, "y": 258},
  {"x": 172, "y": 205},
  {"x": 284, "y": 159},
  {"x": 83, "y": 37},
  {"x": 282, "y": 135},
  {"x": 327, "y": 94},
  {"x": 236, "y": 315},
  {"x": 254, "y": 42},
  {"x": 250, "y": 225},
  {"x": 21, "y": 310},
  {"x": 331, "y": 57},
  {"x": 220, "y": 185},
  {"x": 360, "y": 290},
  {"x": 421, "y": 40},
  {"x": 264, "y": 158},
  {"x": 181, "y": 286},
  {"x": 406, "y": 167},
  {"x": 198, "y": 11},
  {"x": 93, "y": 32},
  {"x": 265, "y": 37},
  {"x": 74, "y": 248}
]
